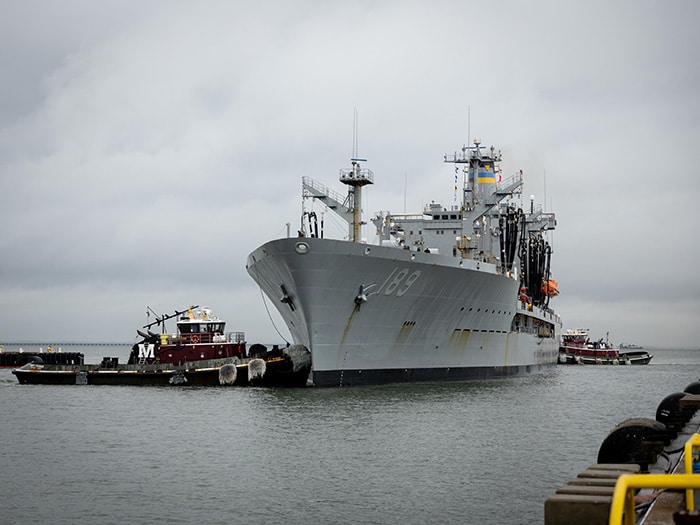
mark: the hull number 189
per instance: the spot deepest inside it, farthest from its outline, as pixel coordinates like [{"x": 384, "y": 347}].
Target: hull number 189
[{"x": 399, "y": 281}]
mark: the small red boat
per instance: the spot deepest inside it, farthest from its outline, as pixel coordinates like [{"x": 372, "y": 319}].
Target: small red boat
[{"x": 577, "y": 348}]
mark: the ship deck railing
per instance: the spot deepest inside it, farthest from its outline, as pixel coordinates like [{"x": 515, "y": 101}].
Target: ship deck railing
[
  {"x": 409, "y": 217},
  {"x": 546, "y": 313},
  {"x": 205, "y": 337},
  {"x": 235, "y": 337},
  {"x": 321, "y": 191}
]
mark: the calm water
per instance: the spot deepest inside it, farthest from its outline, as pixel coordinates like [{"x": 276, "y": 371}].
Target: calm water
[{"x": 474, "y": 452}]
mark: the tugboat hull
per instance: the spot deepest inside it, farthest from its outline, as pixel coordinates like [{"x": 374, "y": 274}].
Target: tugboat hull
[{"x": 286, "y": 371}]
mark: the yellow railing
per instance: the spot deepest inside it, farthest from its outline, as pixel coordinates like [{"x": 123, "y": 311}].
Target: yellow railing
[
  {"x": 623, "y": 497},
  {"x": 692, "y": 443}
]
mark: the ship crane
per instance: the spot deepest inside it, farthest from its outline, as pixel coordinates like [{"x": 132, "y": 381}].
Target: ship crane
[{"x": 348, "y": 208}]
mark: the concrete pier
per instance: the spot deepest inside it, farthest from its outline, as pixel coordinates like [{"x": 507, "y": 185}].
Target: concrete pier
[{"x": 587, "y": 499}]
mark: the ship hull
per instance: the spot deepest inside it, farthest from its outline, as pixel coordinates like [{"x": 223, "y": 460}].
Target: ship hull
[
  {"x": 420, "y": 375},
  {"x": 374, "y": 314},
  {"x": 622, "y": 358}
]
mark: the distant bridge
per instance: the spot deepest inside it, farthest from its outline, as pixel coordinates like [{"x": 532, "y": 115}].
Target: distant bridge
[{"x": 56, "y": 344}]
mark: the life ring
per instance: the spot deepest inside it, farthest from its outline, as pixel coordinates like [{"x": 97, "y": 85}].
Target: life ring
[{"x": 195, "y": 339}]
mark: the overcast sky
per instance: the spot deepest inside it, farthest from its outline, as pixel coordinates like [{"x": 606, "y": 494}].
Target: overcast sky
[{"x": 147, "y": 147}]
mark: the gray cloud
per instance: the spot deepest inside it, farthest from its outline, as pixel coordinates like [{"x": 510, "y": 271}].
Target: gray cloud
[{"x": 146, "y": 149}]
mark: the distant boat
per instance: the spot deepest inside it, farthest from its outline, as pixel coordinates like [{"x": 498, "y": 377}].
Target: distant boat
[
  {"x": 201, "y": 353},
  {"x": 577, "y": 348},
  {"x": 630, "y": 346}
]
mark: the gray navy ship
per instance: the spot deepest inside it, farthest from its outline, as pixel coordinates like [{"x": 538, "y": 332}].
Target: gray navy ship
[{"x": 452, "y": 293}]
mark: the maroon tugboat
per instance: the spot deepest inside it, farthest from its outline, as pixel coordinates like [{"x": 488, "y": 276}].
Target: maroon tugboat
[
  {"x": 577, "y": 348},
  {"x": 201, "y": 353},
  {"x": 200, "y": 336}
]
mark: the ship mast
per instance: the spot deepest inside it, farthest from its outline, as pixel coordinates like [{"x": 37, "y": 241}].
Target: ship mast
[
  {"x": 481, "y": 172},
  {"x": 355, "y": 178}
]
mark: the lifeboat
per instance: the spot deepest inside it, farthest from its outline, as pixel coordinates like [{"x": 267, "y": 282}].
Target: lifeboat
[{"x": 550, "y": 287}]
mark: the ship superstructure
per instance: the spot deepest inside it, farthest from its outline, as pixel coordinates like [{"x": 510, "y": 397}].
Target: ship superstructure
[{"x": 446, "y": 294}]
